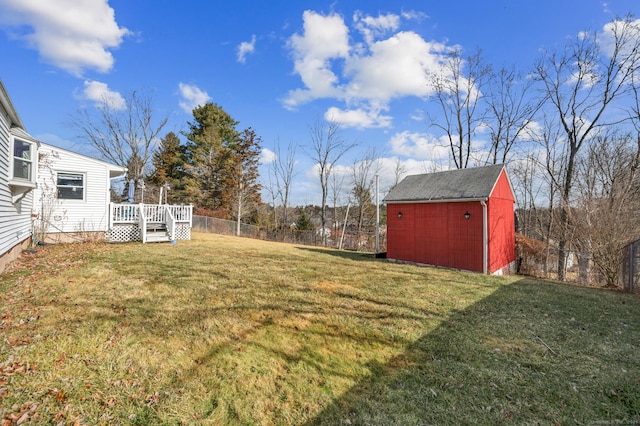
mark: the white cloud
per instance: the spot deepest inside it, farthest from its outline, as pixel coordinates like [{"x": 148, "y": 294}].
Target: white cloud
[
  {"x": 100, "y": 94},
  {"x": 324, "y": 38},
  {"x": 267, "y": 156},
  {"x": 245, "y": 48},
  {"x": 420, "y": 146},
  {"x": 365, "y": 76},
  {"x": 607, "y": 36},
  {"x": 392, "y": 168},
  {"x": 418, "y": 115},
  {"x": 395, "y": 67},
  {"x": 411, "y": 15},
  {"x": 358, "y": 118},
  {"x": 192, "y": 97},
  {"x": 532, "y": 131},
  {"x": 372, "y": 28},
  {"x": 72, "y": 35}
]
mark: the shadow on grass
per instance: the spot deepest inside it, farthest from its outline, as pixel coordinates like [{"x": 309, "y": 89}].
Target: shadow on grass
[
  {"x": 344, "y": 254},
  {"x": 531, "y": 353}
]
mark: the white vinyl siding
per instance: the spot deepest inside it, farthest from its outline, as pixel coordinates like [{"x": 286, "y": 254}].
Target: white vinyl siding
[
  {"x": 73, "y": 191},
  {"x": 15, "y": 218}
]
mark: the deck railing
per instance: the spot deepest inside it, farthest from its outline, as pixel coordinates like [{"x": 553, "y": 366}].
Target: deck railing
[
  {"x": 181, "y": 213},
  {"x": 153, "y": 213},
  {"x": 123, "y": 213},
  {"x": 130, "y": 213},
  {"x": 171, "y": 223}
]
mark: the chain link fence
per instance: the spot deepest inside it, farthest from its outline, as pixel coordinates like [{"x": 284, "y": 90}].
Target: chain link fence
[
  {"x": 365, "y": 242},
  {"x": 630, "y": 275}
]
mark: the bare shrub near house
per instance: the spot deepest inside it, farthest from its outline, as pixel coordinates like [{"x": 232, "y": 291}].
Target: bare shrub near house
[{"x": 43, "y": 217}]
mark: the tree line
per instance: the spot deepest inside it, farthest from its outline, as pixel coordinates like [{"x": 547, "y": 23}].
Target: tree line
[{"x": 568, "y": 129}]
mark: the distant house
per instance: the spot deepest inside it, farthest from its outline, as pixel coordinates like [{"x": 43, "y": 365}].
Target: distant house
[
  {"x": 462, "y": 219},
  {"x": 18, "y": 172},
  {"x": 71, "y": 202}
]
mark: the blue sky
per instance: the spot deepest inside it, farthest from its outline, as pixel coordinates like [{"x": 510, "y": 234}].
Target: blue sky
[{"x": 275, "y": 66}]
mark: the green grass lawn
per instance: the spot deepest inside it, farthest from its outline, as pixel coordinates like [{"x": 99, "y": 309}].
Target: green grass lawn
[{"x": 223, "y": 330}]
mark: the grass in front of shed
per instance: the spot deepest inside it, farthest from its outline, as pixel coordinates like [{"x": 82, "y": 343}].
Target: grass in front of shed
[{"x": 223, "y": 330}]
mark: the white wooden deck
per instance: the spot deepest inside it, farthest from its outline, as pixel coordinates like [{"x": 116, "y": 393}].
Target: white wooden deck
[{"x": 149, "y": 222}]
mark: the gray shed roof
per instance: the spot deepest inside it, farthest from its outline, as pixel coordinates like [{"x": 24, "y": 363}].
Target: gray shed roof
[{"x": 460, "y": 184}]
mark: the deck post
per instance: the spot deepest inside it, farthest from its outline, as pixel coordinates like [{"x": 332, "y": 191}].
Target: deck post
[
  {"x": 110, "y": 215},
  {"x": 142, "y": 223}
]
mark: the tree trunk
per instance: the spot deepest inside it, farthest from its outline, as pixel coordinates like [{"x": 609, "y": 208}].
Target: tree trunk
[{"x": 239, "y": 211}]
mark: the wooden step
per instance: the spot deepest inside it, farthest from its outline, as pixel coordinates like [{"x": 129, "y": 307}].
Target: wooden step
[
  {"x": 156, "y": 227},
  {"x": 157, "y": 237}
]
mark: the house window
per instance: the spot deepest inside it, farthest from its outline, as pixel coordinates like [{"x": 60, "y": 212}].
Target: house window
[
  {"x": 70, "y": 186},
  {"x": 23, "y": 160}
]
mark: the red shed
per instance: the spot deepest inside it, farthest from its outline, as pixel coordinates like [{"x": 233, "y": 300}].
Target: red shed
[{"x": 462, "y": 219}]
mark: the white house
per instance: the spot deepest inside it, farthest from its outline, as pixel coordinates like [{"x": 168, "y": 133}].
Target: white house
[
  {"x": 18, "y": 174},
  {"x": 71, "y": 201},
  {"x": 54, "y": 195}
]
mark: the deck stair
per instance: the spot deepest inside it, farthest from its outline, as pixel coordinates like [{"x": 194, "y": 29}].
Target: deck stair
[
  {"x": 157, "y": 233},
  {"x": 157, "y": 224}
]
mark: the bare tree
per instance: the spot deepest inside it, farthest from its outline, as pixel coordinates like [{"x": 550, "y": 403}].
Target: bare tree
[
  {"x": 511, "y": 110},
  {"x": 399, "y": 171},
  {"x": 458, "y": 89},
  {"x": 525, "y": 174},
  {"x": 244, "y": 189},
  {"x": 605, "y": 217},
  {"x": 284, "y": 171},
  {"x": 326, "y": 149},
  {"x": 580, "y": 83},
  {"x": 363, "y": 172},
  {"x": 123, "y": 136},
  {"x": 271, "y": 187},
  {"x": 539, "y": 178},
  {"x": 634, "y": 110},
  {"x": 336, "y": 186}
]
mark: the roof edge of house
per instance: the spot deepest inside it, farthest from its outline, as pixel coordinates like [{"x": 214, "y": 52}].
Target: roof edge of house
[{"x": 7, "y": 104}]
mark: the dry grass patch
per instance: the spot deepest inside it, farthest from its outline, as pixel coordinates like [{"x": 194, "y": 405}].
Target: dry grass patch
[{"x": 221, "y": 330}]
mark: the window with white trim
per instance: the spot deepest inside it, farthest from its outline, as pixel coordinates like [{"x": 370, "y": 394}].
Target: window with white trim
[
  {"x": 70, "y": 186},
  {"x": 23, "y": 160}
]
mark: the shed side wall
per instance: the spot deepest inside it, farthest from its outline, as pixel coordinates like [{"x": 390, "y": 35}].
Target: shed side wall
[
  {"x": 436, "y": 234},
  {"x": 400, "y": 241},
  {"x": 501, "y": 221}
]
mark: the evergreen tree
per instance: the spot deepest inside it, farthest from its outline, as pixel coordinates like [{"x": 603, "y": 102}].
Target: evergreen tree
[
  {"x": 209, "y": 156},
  {"x": 222, "y": 163},
  {"x": 169, "y": 166},
  {"x": 304, "y": 222}
]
